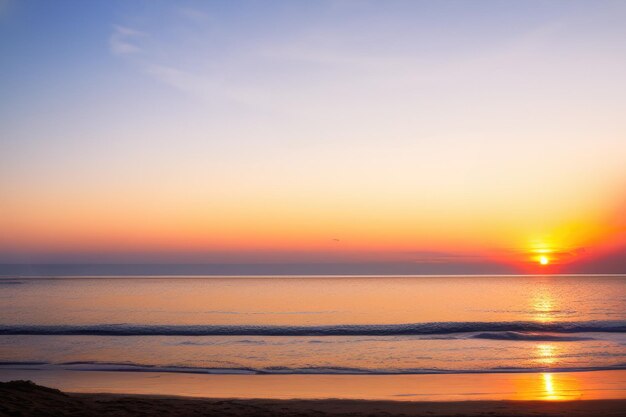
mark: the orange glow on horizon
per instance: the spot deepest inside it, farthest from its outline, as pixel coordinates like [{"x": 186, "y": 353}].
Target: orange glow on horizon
[{"x": 280, "y": 229}]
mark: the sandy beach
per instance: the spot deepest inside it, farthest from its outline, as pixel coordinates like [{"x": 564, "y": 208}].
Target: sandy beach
[{"x": 24, "y": 398}]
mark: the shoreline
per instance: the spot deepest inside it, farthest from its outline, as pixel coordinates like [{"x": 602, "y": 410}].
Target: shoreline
[
  {"x": 552, "y": 386},
  {"x": 27, "y": 399}
]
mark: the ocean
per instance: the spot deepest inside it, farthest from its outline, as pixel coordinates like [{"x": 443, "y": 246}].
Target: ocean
[{"x": 370, "y": 325}]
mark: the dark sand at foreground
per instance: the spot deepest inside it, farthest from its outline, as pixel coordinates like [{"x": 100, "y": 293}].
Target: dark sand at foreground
[{"x": 24, "y": 398}]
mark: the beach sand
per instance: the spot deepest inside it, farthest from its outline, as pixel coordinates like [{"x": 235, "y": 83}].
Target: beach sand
[{"x": 24, "y": 398}]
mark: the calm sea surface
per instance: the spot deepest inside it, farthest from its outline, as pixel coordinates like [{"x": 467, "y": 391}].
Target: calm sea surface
[{"x": 325, "y": 325}]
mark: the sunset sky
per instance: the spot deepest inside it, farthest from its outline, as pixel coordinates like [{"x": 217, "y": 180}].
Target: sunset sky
[{"x": 424, "y": 136}]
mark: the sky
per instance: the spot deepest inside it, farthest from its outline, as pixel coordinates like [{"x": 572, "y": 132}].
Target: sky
[{"x": 315, "y": 137}]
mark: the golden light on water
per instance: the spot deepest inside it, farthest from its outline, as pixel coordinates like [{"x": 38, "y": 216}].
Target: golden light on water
[
  {"x": 548, "y": 384},
  {"x": 560, "y": 387},
  {"x": 546, "y": 354},
  {"x": 543, "y": 304}
]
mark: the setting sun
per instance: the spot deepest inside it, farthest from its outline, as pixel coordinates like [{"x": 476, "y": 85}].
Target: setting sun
[{"x": 543, "y": 260}]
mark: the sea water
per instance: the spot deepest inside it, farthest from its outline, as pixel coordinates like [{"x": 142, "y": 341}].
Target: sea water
[{"x": 314, "y": 325}]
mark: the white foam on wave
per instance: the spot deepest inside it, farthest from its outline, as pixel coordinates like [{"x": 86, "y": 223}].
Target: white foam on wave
[
  {"x": 280, "y": 370},
  {"x": 434, "y": 328}
]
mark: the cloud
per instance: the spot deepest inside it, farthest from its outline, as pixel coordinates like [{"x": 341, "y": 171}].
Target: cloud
[
  {"x": 208, "y": 87},
  {"x": 182, "y": 80},
  {"x": 203, "y": 85},
  {"x": 430, "y": 257},
  {"x": 193, "y": 14},
  {"x": 122, "y": 40}
]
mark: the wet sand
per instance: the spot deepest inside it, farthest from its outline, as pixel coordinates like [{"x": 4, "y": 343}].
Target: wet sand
[
  {"x": 24, "y": 398},
  {"x": 596, "y": 385}
]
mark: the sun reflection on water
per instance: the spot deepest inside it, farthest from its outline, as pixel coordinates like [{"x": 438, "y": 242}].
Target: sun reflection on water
[
  {"x": 543, "y": 304},
  {"x": 560, "y": 387},
  {"x": 546, "y": 354},
  {"x": 549, "y": 386}
]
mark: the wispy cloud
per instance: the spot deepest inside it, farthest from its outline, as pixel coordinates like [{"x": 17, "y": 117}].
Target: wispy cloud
[
  {"x": 123, "y": 40},
  {"x": 181, "y": 80},
  {"x": 206, "y": 87},
  {"x": 445, "y": 257},
  {"x": 193, "y": 14}
]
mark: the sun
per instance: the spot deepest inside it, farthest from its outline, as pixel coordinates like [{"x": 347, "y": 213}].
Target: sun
[{"x": 544, "y": 260}]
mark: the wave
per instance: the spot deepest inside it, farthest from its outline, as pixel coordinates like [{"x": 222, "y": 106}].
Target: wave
[
  {"x": 283, "y": 370},
  {"x": 415, "y": 329},
  {"x": 538, "y": 337}
]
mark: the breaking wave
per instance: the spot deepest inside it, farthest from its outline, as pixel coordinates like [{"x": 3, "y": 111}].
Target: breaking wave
[
  {"x": 278, "y": 370},
  {"x": 505, "y": 330},
  {"x": 538, "y": 337}
]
